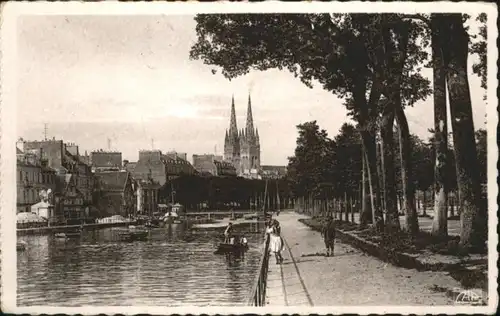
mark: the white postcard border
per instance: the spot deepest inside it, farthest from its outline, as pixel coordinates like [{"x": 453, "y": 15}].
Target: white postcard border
[{"x": 10, "y": 12}]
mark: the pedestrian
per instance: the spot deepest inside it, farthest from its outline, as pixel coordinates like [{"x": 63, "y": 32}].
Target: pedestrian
[
  {"x": 328, "y": 233},
  {"x": 277, "y": 225},
  {"x": 275, "y": 241},
  {"x": 228, "y": 233}
]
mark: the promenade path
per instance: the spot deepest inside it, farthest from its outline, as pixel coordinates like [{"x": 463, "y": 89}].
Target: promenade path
[{"x": 308, "y": 278}]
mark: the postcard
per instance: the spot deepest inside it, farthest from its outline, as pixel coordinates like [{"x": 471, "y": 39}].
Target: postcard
[{"x": 232, "y": 158}]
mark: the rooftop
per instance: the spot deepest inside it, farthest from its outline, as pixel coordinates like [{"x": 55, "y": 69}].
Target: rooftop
[{"x": 112, "y": 180}]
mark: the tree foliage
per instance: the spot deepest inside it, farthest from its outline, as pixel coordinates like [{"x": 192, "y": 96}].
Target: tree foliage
[
  {"x": 337, "y": 51},
  {"x": 479, "y": 47},
  {"x": 311, "y": 164},
  {"x": 327, "y": 168},
  {"x": 222, "y": 192}
]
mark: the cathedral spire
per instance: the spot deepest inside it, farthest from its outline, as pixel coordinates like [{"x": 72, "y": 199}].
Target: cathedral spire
[
  {"x": 233, "y": 129},
  {"x": 249, "y": 127}
]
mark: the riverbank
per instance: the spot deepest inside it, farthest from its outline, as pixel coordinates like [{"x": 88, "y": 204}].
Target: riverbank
[
  {"x": 94, "y": 226},
  {"x": 66, "y": 228},
  {"x": 424, "y": 254}
]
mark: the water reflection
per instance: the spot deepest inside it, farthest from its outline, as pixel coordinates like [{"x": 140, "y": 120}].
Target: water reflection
[{"x": 175, "y": 267}]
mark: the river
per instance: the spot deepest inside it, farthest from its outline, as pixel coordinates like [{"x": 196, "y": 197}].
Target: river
[{"x": 176, "y": 267}]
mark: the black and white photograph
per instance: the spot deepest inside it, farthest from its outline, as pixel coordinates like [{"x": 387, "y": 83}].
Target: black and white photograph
[{"x": 240, "y": 158}]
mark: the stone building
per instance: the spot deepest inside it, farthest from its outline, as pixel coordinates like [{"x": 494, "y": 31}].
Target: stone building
[
  {"x": 213, "y": 165},
  {"x": 115, "y": 193},
  {"x": 175, "y": 155},
  {"x": 101, "y": 159},
  {"x": 204, "y": 164},
  {"x": 242, "y": 147},
  {"x": 70, "y": 203},
  {"x": 75, "y": 181},
  {"x": 224, "y": 168},
  {"x": 147, "y": 197},
  {"x": 152, "y": 164},
  {"x": 176, "y": 167},
  {"x": 33, "y": 177}
]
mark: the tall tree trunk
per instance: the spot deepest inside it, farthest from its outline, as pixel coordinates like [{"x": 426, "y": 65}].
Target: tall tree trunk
[
  {"x": 440, "y": 221},
  {"x": 390, "y": 197},
  {"x": 452, "y": 206},
  {"x": 473, "y": 215},
  {"x": 346, "y": 206},
  {"x": 381, "y": 172},
  {"x": 365, "y": 217},
  {"x": 403, "y": 173},
  {"x": 370, "y": 154},
  {"x": 424, "y": 193},
  {"x": 409, "y": 188},
  {"x": 352, "y": 209}
]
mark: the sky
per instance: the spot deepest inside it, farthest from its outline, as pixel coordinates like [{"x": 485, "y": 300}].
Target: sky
[{"x": 129, "y": 79}]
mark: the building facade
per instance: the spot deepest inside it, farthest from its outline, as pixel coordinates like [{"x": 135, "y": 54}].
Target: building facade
[
  {"x": 224, "y": 169},
  {"x": 175, "y": 155},
  {"x": 242, "y": 147},
  {"x": 116, "y": 193},
  {"x": 69, "y": 200},
  {"x": 147, "y": 197},
  {"x": 82, "y": 179},
  {"x": 75, "y": 182},
  {"x": 101, "y": 159},
  {"x": 176, "y": 167},
  {"x": 153, "y": 164},
  {"x": 33, "y": 177},
  {"x": 204, "y": 164},
  {"x": 149, "y": 166}
]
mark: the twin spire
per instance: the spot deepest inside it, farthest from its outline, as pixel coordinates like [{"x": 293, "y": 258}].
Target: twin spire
[{"x": 249, "y": 130}]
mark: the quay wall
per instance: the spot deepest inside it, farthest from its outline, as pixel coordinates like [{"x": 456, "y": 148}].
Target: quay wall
[{"x": 62, "y": 229}]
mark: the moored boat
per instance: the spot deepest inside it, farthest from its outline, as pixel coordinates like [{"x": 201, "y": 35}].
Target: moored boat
[
  {"x": 68, "y": 235},
  {"x": 133, "y": 234}
]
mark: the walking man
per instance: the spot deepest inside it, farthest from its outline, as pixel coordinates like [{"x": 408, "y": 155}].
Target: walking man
[{"x": 328, "y": 233}]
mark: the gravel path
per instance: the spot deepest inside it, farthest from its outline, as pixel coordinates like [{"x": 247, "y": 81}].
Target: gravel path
[{"x": 349, "y": 278}]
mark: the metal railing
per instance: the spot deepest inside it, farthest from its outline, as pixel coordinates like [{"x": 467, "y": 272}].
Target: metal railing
[{"x": 258, "y": 293}]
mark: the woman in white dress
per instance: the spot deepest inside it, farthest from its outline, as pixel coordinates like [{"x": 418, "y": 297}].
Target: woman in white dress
[{"x": 275, "y": 241}]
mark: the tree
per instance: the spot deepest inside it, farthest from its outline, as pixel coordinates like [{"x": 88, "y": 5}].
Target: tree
[
  {"x": 347, "y": 164},
  {"x": 479, "y": 47},
  {"x": 440, "y": 221},
  {"x": 310, "y": 167},
  {"x": 482, "y": 155},
  {"x": 455, "y": 49},
  {"x": 344, "y": 53}
]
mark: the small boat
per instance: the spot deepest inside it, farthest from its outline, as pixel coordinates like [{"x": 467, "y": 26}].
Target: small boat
[
  {"x": 133, "y": 234},
  {"x": 238, "y": 247},
  {"x": 21, "y": 246},
  {"x": 68, "y": 235}
]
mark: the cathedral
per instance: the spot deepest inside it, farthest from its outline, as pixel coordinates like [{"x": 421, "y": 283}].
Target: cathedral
[{"x": 242, "y": 147}]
